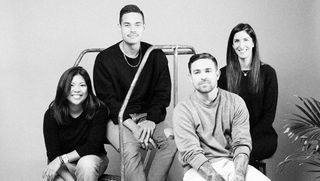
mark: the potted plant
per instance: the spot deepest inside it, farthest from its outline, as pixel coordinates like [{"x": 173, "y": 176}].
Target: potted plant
[{"x": 305, "y": 128}]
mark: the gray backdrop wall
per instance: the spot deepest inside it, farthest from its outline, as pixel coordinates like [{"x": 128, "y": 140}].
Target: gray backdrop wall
[{"x": 40, "y": 39}]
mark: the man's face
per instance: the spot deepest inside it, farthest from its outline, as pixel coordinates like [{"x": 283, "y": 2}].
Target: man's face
[
  {"x": 204, "y": 75},
  {"x": 132, "y": 28}
]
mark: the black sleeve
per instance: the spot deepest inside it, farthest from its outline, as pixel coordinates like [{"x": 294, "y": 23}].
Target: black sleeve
[
  {"x": 104, "y": 88},
  {"x": 162, "y": 91},
  {"x": 96, "y": 135},
  {"x": 222, "y": 81},
  {"x": 51, "y": 136},
  {"x": 264, "y": 137},
  {"x": 270, "y": 100}
]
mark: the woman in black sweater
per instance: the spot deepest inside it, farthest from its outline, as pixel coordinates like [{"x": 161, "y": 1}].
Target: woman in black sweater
[
  {"x": 74, "y": 130},
  {"x": 256, "y": 82}
]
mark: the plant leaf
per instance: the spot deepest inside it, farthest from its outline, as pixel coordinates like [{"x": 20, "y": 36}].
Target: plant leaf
[
  {"x": 315, "y": 111},
  {"x": 302, "y": 118},
  {"x": 306, "y": 113},
  {"x": 305, "y": 126}
]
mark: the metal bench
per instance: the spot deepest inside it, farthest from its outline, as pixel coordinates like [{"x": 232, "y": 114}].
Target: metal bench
[{"x": 174, "y": 50}]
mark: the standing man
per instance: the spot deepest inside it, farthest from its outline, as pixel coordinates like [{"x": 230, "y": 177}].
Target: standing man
[
  {"x": 114, "y": 70},
  {"x": 212, "y": 129}
]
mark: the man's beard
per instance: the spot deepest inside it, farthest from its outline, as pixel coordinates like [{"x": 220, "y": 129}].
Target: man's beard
[{"x": 206, "y": 89}]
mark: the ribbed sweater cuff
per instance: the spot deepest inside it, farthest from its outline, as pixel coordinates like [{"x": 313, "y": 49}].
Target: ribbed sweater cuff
[
  {"x": 198, "y": 161},
  {"x": 242, "y": 150}
]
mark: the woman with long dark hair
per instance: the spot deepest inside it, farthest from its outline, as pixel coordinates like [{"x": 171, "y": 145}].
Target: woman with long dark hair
[
  {"x": 74, "y": 130},
  {"x": 256, "y": 82}
]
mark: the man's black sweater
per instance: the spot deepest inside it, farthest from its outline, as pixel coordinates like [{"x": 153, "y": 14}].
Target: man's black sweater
[{"x": 112, "y": 77}]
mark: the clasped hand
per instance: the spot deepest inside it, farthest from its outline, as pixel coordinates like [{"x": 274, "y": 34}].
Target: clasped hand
[{"x": 50, "y": 172}]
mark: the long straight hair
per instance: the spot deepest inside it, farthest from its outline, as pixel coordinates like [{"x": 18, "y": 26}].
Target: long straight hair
[
  {"x": 233, "y": 71},
  {"x": 60, "y": 105}
]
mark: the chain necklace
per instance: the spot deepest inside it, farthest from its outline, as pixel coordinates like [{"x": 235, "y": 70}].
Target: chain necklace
[{"x": 133, "y": 66}]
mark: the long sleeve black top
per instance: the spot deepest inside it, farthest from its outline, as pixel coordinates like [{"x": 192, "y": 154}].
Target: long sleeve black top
[
  {"x": 113, "y": 76},
  {"x": 85, "y": 136},
  {"x": 262, "y": 110}
]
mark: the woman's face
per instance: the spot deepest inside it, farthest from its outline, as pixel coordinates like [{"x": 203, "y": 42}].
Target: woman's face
[
  {"x": 243, "y": 44},
  {"x": 78, "y": 91}
]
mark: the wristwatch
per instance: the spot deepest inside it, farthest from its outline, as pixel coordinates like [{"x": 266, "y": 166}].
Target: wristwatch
[{"x": 65, "y": 158}]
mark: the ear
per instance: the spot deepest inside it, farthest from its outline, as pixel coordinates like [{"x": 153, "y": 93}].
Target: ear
[
  {"x": 119, "y": 27},
  {"x": 144, "y": 26},
  {"x": 218, "y": 74},
  {"x": 189, "y": 77}
]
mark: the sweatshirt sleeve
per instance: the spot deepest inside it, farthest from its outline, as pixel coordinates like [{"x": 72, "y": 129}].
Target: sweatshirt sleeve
[
  {"x": 241, "y": 139},
  {"x": 186, "y": 139},
  {"x": 96, "y": 135},
  {"x": 162, "y": 90},
  {"x": 51, "y": 137},
  {"x": 104, "y": 88}
]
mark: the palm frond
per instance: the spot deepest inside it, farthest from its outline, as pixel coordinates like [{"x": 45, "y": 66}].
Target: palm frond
[
  {"x": 304, "y": 127},
  {"x": 305, "y": 111},
  {"x": 303, "y": 132},
  {"x": 302, "y": 158},
  {"x": 310, "y": 105},
  {"x": 301, "y": 119},
  {"x": 317, "y": 103}
]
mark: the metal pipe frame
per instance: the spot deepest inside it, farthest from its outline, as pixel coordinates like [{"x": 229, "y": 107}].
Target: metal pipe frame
[
  {"x": 168, "y": 50},
  {"x": 77, "y": 62}
]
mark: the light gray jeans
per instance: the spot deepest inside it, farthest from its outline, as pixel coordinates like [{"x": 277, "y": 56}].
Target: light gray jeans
[
  {"x": 225, "y": 168},
  {"x": 88, "y": 168},
  {"x": 162, "y": 161}
]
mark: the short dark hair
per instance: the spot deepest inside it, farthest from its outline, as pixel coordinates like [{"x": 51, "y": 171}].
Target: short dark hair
[
  {"x": 196, "y": 57},
  {"x": 131, "y": 8}
]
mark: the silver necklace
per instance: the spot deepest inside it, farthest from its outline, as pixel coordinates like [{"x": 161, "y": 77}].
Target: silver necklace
[
  {"x": 133, "y": 66},
  {"x": 245, "y": 72}
]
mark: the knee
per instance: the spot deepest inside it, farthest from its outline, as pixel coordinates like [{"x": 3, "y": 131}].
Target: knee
[
  {"x": 131, "y": 150},
  {"x": 168, "y": 132},
  {"x": 165, "y": 140},
  {"x": 169, "y": 146},
  {"x": 90, "y": 166},
  {"x": 191, "y": 175},
  {"x": 86, "y": 166}
]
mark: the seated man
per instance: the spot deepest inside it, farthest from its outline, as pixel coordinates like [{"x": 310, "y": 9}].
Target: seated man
[
  {"x": 211, "y": 128},
  {"x": 114, "y": 70}
]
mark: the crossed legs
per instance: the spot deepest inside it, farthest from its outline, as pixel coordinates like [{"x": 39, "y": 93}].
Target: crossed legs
[{"x": 88, "y": 168}]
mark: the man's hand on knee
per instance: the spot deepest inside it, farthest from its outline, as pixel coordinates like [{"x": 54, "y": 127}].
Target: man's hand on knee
[{"x": 146, "y": 131}]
